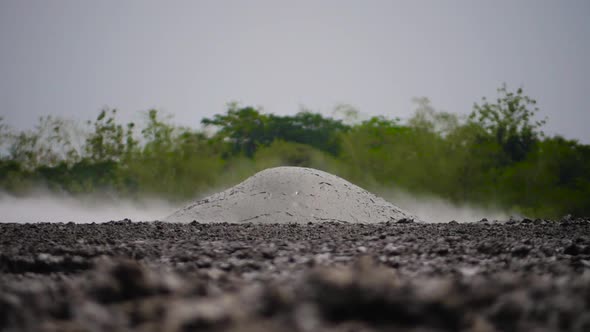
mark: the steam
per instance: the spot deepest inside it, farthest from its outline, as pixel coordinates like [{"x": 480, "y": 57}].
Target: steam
[
  {"x": 44, "y": 206},
  {"x": 436, "y": 210},
  {"x": 49, "y": 207}
]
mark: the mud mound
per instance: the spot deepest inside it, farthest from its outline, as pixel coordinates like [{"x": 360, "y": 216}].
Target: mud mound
[{"x": 292, "y": 195}]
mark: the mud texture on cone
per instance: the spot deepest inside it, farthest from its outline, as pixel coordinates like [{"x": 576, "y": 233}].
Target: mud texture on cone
[{"x": 292, "y": 195}]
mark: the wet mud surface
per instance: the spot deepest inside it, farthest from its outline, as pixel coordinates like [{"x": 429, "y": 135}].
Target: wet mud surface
[{"x": 127, "y": 276}]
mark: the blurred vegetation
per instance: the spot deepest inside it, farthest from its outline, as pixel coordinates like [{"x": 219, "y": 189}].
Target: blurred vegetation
[{"x": 497, "y": 156}]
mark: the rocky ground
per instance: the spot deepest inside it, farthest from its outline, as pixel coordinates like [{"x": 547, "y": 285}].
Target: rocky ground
[{"x": 120, "y": 276}]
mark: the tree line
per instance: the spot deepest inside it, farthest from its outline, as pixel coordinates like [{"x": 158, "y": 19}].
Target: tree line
[{"x": 497, "y": 156}]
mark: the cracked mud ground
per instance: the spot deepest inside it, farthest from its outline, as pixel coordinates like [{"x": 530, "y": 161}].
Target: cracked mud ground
[{"x": 128, "y": 276}]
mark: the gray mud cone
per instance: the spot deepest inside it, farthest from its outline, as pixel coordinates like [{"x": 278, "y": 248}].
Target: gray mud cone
[{"x": 291, "y": 195}]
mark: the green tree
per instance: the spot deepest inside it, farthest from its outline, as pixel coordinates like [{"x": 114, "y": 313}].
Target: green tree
[
  {"x": 370, "y": 150},
  {"x": 428, "y": 119},
  {"x": 307, "y": 128},
  {"x": 175, "y": 162},
  {"x": 51, "y": 142},
  {"x": 158, "y": 134},
  {"x": 244, "y": 129},
  {"x": 510, "y": 122},
  {"x": 109, "y": 140},
  {"x": 4, "y": 136}
]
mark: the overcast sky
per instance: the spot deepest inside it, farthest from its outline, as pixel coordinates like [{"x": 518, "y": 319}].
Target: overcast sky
[{"x": 189, "y": 58}]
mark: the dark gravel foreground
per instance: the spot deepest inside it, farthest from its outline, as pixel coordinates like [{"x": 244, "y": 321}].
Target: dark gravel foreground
[{"x": 121, "y": 276}]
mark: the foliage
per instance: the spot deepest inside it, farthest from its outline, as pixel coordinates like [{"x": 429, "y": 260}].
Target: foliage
[
  {"x": 109, "y": 140},
  {"x": 175, "y": 162},
  {"x": 52, "y": 140},
  {"x": 246, "y": 129},
  {"x": 243, "y": 129},
  {"x": 4, "y": 132},
  {"x": 426, "y": 118},
  {"x": 497, "y": 156},
  {"x": 510, "y": 123},
  {"x": 283, "y": 153}
]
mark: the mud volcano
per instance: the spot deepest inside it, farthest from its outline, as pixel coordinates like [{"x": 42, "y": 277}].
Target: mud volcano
[{"x": 291, "y": 195}]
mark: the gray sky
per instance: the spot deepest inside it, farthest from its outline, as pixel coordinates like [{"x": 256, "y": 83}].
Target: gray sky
[{"x": 189, "y": 58}]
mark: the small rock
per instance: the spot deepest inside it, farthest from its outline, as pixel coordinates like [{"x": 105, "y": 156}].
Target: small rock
[
  {"x": 321, "y": 258},
  {"x": 268, "y": 253},
  {"x": 392, "y": 249},
  {"x": 204, "y": 262},
  {"x": 520, "y": 251},
  {"x": 215, "y": 274},
  {"x": 572, "y": 250}
]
